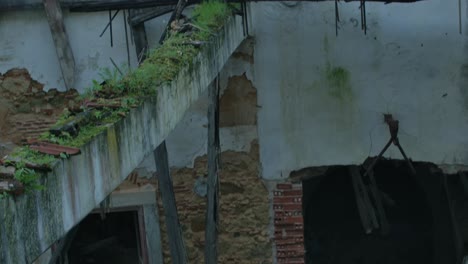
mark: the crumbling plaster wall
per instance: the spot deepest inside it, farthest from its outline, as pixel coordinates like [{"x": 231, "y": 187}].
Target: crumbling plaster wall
[
  {"x": 238, "y": 123},
  {"x": 322, "y": 97},
  {"x": 26, "y": 42},
  {"x": 244, "y": 203}
]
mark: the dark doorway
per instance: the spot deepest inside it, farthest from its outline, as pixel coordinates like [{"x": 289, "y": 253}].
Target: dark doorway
[
  {"x": 334, "y": 234},
  {"x": 114, "y": 239}
]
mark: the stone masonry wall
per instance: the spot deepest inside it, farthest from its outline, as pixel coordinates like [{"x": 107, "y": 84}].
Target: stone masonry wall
[{"x": 244, "y": 210}]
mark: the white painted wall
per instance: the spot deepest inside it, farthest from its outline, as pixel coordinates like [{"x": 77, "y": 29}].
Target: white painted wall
[
  {"x": 26, "y": 42},
  {"x": 410, "y": 58}
]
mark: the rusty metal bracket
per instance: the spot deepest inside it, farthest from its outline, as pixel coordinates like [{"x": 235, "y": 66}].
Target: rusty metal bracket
[{"x": 393, "y": 126}]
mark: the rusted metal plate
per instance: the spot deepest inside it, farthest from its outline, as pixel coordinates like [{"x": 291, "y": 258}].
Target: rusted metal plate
[{"x": 54, "y": 149}]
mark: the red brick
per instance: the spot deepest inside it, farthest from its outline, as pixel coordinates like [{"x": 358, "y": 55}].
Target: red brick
[
  {"x": 290, "y": 226},
  {"x": 284, "y": 200},
  {"x": 290, "y": 253},
  {"x": 296, "y": 260},
  {"x": 295, "y": 193},
  {"x": 292, "y": 247},
  {"x": 290, "y": 241},
  {"x": 288, "y": 213},
  {"x": 283, "y": 186},
  {"x": 287, "y": 207},
  {"x": 289, "y": 220},
  {"x": 284, "y": 233}
]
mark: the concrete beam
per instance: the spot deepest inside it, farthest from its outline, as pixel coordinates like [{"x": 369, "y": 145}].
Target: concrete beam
[
  {"x": 62, "y": 44},
  {"x": 145, "y": 195},
  {"x": 29, "y": 224}
]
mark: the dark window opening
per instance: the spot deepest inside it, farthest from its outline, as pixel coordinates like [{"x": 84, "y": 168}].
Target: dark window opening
[
  {"x": 112, "y": 240},
  {"x": 422, "y": 229}
]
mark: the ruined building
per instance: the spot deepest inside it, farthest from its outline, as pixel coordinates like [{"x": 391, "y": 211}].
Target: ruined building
[{"x": 318, "y": 132}]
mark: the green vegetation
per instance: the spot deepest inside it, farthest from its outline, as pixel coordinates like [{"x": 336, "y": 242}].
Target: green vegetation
[
  {"x": 27, "y": 155},
  {"x": 209, "y": 17},
  {"x": 128, "y": 87},
  {"x": 28, "y": 177},
  {"x": 338, "y": 80}
]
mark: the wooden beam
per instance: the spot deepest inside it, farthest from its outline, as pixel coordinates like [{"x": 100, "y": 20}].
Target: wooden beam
[
  {"x": 364, "y": 205},
  {"x": 141, "y": 15},
  {"x": 174, "y": 232},
  {"x": 175, "y": 16},
  {"x": 376, "y": 196},
  {"x": 141, "y": 41},
  {"x": 87, "y": 5},
  {"x": 139, "y": 35},
  {"x": 62, "y": 44},
  {"x": 101, "y": 5},
  {"x": 211, "y": 231}
]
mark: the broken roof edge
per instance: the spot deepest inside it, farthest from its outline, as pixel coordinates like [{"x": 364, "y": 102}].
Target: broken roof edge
[{"x": 29, "y": 225}]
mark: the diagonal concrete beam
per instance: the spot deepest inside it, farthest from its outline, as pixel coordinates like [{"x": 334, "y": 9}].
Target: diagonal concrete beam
[{"x": 31, "y": 223}]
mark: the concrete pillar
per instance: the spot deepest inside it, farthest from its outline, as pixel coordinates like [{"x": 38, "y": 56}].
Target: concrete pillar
[{"x": 153, "y": 234}]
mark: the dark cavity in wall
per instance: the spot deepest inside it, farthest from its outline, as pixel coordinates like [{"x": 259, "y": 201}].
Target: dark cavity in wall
[
  {"x": 423, "y": 227},
  {"x": 112, "y": 240}
]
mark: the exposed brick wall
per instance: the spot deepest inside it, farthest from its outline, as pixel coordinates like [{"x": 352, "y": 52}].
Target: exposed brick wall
[
  {"x": 27, "y": 127},
  {"x": 26, "y": 110},
  {"x": 288, "y": 223}
]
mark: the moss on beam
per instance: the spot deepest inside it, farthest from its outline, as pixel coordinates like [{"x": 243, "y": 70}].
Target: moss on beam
[{"x": 161, "y": 67}]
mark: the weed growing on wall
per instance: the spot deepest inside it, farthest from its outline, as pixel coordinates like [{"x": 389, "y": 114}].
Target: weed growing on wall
[{"x": 129, "y": 87}]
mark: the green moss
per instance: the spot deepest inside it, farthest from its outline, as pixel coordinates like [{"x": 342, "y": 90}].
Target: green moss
[
  {"x": 87, "y": 133},
  {"x": 338, "y": 82},
  {"x": 161, "y": 67},
  {"x": 210, "y": 17},
  {"x": 32, "y": 156}
]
